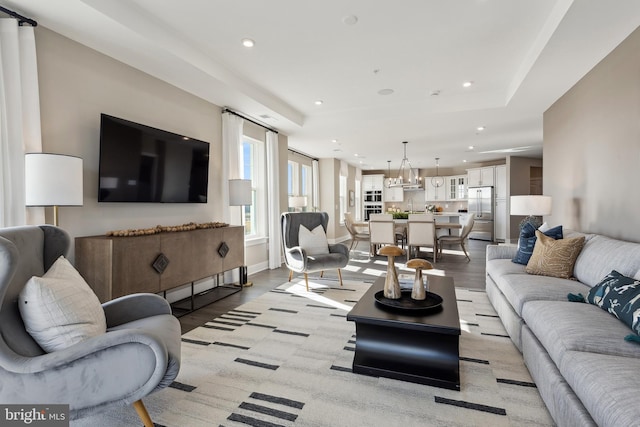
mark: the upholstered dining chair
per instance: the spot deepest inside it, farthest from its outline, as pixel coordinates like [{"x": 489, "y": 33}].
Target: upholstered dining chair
[
  {"x": 381, "y": 231},
  {"x": 421, "y": 231},
  {"x": 458, "y": 240},
  {"x": 305, "y": 245},
  {"x": 138, "y": 354},
  {"x": 357, "y": 235}
]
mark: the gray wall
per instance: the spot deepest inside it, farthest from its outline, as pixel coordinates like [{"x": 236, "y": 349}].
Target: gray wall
[
  {"x": 76, "y": 85},
  {"x": 592, "y": 148}
]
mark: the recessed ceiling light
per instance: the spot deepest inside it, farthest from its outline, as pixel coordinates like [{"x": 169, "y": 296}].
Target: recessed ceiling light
[
  {"x": 480, "y": 128},
  {"x": 319, "y": 102},
  {"x": 334, "y": 140},
  {"x": 464, "y": 161},
  {"x": 471, "y": 147},
  {"x": 385, "y": 91},
  {"x": 248, "y": 43},
  {"x": 467, "y": 84},
  {"x": 350, "y": 20}
]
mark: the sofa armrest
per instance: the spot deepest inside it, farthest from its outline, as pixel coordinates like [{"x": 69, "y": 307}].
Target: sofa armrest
[
  {"x": 501, "y": 252},
  {"x": 133, "y": 307}
]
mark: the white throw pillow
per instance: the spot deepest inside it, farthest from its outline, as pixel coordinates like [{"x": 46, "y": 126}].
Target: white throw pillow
[
  {"x": 314, "y": 242},
  {"x": 59, "y": 309},
  {"x": 544, "y": 227}
]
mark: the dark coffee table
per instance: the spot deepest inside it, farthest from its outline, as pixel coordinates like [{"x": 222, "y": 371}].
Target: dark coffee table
[{"x": 421, "y": 348}]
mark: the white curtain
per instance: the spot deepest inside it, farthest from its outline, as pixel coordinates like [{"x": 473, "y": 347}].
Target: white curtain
[
  {"x": 231, "y": 165},
  {"x": 315, "y": 172},
  {"x": 273, "y": 173},
  {"x": 19, "y": 119}
]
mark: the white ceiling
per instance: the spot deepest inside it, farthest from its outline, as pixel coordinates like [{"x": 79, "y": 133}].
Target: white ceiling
[{"x": 522, "y": 55}]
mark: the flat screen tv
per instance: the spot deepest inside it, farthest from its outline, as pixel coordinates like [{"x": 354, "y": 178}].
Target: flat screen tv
[{"x": 139, "y": 163}]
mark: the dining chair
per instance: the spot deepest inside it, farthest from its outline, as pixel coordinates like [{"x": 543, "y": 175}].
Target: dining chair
[
  {"x": 357, "y": 234},
  {"x": 381, "y": 231},
  {"x": 421, "y": 231},
  {"x": 458, "y": 240}
]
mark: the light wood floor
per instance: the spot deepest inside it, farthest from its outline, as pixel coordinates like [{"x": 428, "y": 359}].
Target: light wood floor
[{"x": 466, "y": 274}]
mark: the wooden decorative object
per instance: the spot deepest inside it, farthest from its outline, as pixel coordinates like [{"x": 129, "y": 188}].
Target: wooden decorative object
[
  {"x": 165, "y": 229},
  {"x": 419, "y": 290},
  {"x": 391, "y": 284}
]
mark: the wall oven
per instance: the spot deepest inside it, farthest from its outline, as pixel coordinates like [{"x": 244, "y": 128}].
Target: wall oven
[{"x": 371, "y": 208}]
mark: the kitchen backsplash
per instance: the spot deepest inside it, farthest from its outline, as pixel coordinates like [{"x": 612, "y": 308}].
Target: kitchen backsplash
[{"x": 447, "y": 206}]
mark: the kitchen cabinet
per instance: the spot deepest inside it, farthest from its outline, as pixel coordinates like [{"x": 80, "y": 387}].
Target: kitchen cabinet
[
  {"x": 456, "y": 187},
  {"x": 501, "y": 212},
  {"x": 433, "y": 193},
  {"x": 372, "y": 182},
  {"x": 500, "y": 220},
  {"x": 501, "y": 182},
  {"x": 393, "y": 194},
  {"x": 478, "y": 177}
]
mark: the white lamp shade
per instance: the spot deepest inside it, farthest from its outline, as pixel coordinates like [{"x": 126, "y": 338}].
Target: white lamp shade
[
  {"x": 531, "y": 205},
  {"x": 239, "y": 192},
  {"x": 53, "y": 180},
  {"x": 297, "y": 201}
]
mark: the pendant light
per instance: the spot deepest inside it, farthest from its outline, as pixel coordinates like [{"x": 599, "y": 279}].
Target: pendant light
[
  {"x": 407, "y": 176},
  {"x": 437, "y": 181}
]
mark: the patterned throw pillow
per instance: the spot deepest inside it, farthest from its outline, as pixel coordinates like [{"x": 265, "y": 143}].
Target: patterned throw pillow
[
  {"x": 527, "y": 241},
  {"x": 620, "y": 296},
  {"x": 553, "y": 257}
]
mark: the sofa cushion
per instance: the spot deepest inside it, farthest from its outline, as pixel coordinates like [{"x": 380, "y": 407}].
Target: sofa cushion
[
  {"x": 519, "y": 289},
  {"x": 602, "y": 254},
  {"x": 620, "y": 296},
  {"x": 563, "y": 326},
  {"x": 606, "y": 385},
  {"x": 59, "y": 309},
  {"x": 527, "y": 241},
  {"x": 553, "y": 257},
  {"x": 500, "y": 266},
  {"x": 313, "y": 241}
]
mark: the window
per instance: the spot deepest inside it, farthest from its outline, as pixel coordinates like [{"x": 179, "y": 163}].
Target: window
[
  {"x": 293, "y": 180},
  {"x": 253, "y": 168}
]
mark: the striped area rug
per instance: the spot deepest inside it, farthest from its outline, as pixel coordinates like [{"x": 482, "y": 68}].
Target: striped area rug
[{"x": 284, "y": 359}]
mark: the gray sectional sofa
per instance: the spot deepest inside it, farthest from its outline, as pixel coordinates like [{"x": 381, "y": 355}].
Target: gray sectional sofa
[{"x": 585, "y": 371}]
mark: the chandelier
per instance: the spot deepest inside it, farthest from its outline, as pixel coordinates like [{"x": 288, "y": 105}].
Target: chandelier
[
  {"x": 437, "y": 181},
  {"x": 407, "y": 176}
]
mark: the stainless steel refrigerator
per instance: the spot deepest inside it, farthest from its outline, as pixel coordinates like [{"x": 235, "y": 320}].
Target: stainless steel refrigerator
[{"x": 481, "y": 206}]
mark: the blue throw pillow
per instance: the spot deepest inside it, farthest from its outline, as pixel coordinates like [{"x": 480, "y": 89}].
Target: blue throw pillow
[
  {"x": 620, "y": 296},
  {"x": 527, "y": 241}
]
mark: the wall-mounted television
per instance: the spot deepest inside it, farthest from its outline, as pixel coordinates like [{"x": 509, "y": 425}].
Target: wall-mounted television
[{"x": 143, "y": 164}]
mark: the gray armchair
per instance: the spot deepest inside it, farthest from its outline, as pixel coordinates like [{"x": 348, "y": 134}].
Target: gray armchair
[
  {"x": 139, "y": 353},
  {"x": 296, "y": 257}
]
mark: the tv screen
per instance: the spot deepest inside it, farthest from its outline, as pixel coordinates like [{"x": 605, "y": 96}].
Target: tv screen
[{"x": 139, "y": 163}]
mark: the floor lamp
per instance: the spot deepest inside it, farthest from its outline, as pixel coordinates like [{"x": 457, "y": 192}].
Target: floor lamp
[
  {"x": 52, "y": 180},
  {"x": 240, "y": 194}
]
